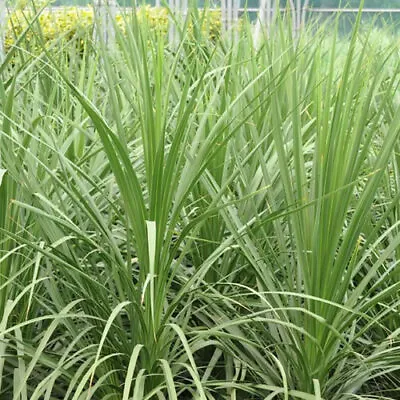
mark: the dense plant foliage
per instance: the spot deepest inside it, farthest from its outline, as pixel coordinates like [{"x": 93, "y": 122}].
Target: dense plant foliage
[{"x": 215, "y": 219}]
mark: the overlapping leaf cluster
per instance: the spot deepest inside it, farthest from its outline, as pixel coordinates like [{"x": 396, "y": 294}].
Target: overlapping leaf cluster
[{"x": 201, "y": 220}]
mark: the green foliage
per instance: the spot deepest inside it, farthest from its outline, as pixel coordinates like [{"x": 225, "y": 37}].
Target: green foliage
[{"x": 208, "y": 220}]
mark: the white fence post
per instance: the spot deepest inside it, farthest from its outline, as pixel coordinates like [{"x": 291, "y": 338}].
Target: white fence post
[
  {"x": 172, "y": 33},
  {"x": 229, "y": 13},
  {"x": 235, "y": 15},
  {"x": 179, "y": 9},
  {"x": 105, "y": 12},
  {"x": 304, "y": 13},
  {"x": 264, "y": 19},
  {"x": 299, "y": 13}
]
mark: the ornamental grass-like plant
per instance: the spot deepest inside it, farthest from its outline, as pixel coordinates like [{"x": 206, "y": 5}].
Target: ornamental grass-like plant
[{"x": 201, "y": 221}]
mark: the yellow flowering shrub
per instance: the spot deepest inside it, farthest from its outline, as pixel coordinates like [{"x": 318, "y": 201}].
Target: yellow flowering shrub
[
  {"x": 156, "y": 18},
  {"x": 74, "y": 22},
  {"x": 210, "y": 23},
  {"x": 69, "y": 22}
]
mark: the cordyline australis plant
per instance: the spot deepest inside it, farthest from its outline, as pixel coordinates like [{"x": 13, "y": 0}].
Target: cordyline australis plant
[{"x": 202, "y": 222}]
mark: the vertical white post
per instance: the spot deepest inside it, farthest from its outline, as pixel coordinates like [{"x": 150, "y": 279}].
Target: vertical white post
[
  {"x": 184, "y": 8},
  {"x": 235, "y": 17},
  {"x": 260, "y": 22},
  {"x": 223, "y": 15},
  {"x": 179, "y": 8},
  {"x": 229, "y": 13},
  {"x": 294, "y": 18},
  {"x": 304, "y": 13},
  {"x": 235, "y": 11},
  {"x": 268, "y": 13},
  {"x": 104, "y": 13},
  {"x": 264, "y": 18},
  {"x": 299, "y": 12},
  {"x": 172, "y": 28}
]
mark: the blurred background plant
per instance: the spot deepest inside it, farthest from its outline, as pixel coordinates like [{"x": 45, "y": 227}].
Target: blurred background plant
[{"x": 74, "y": 23}]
